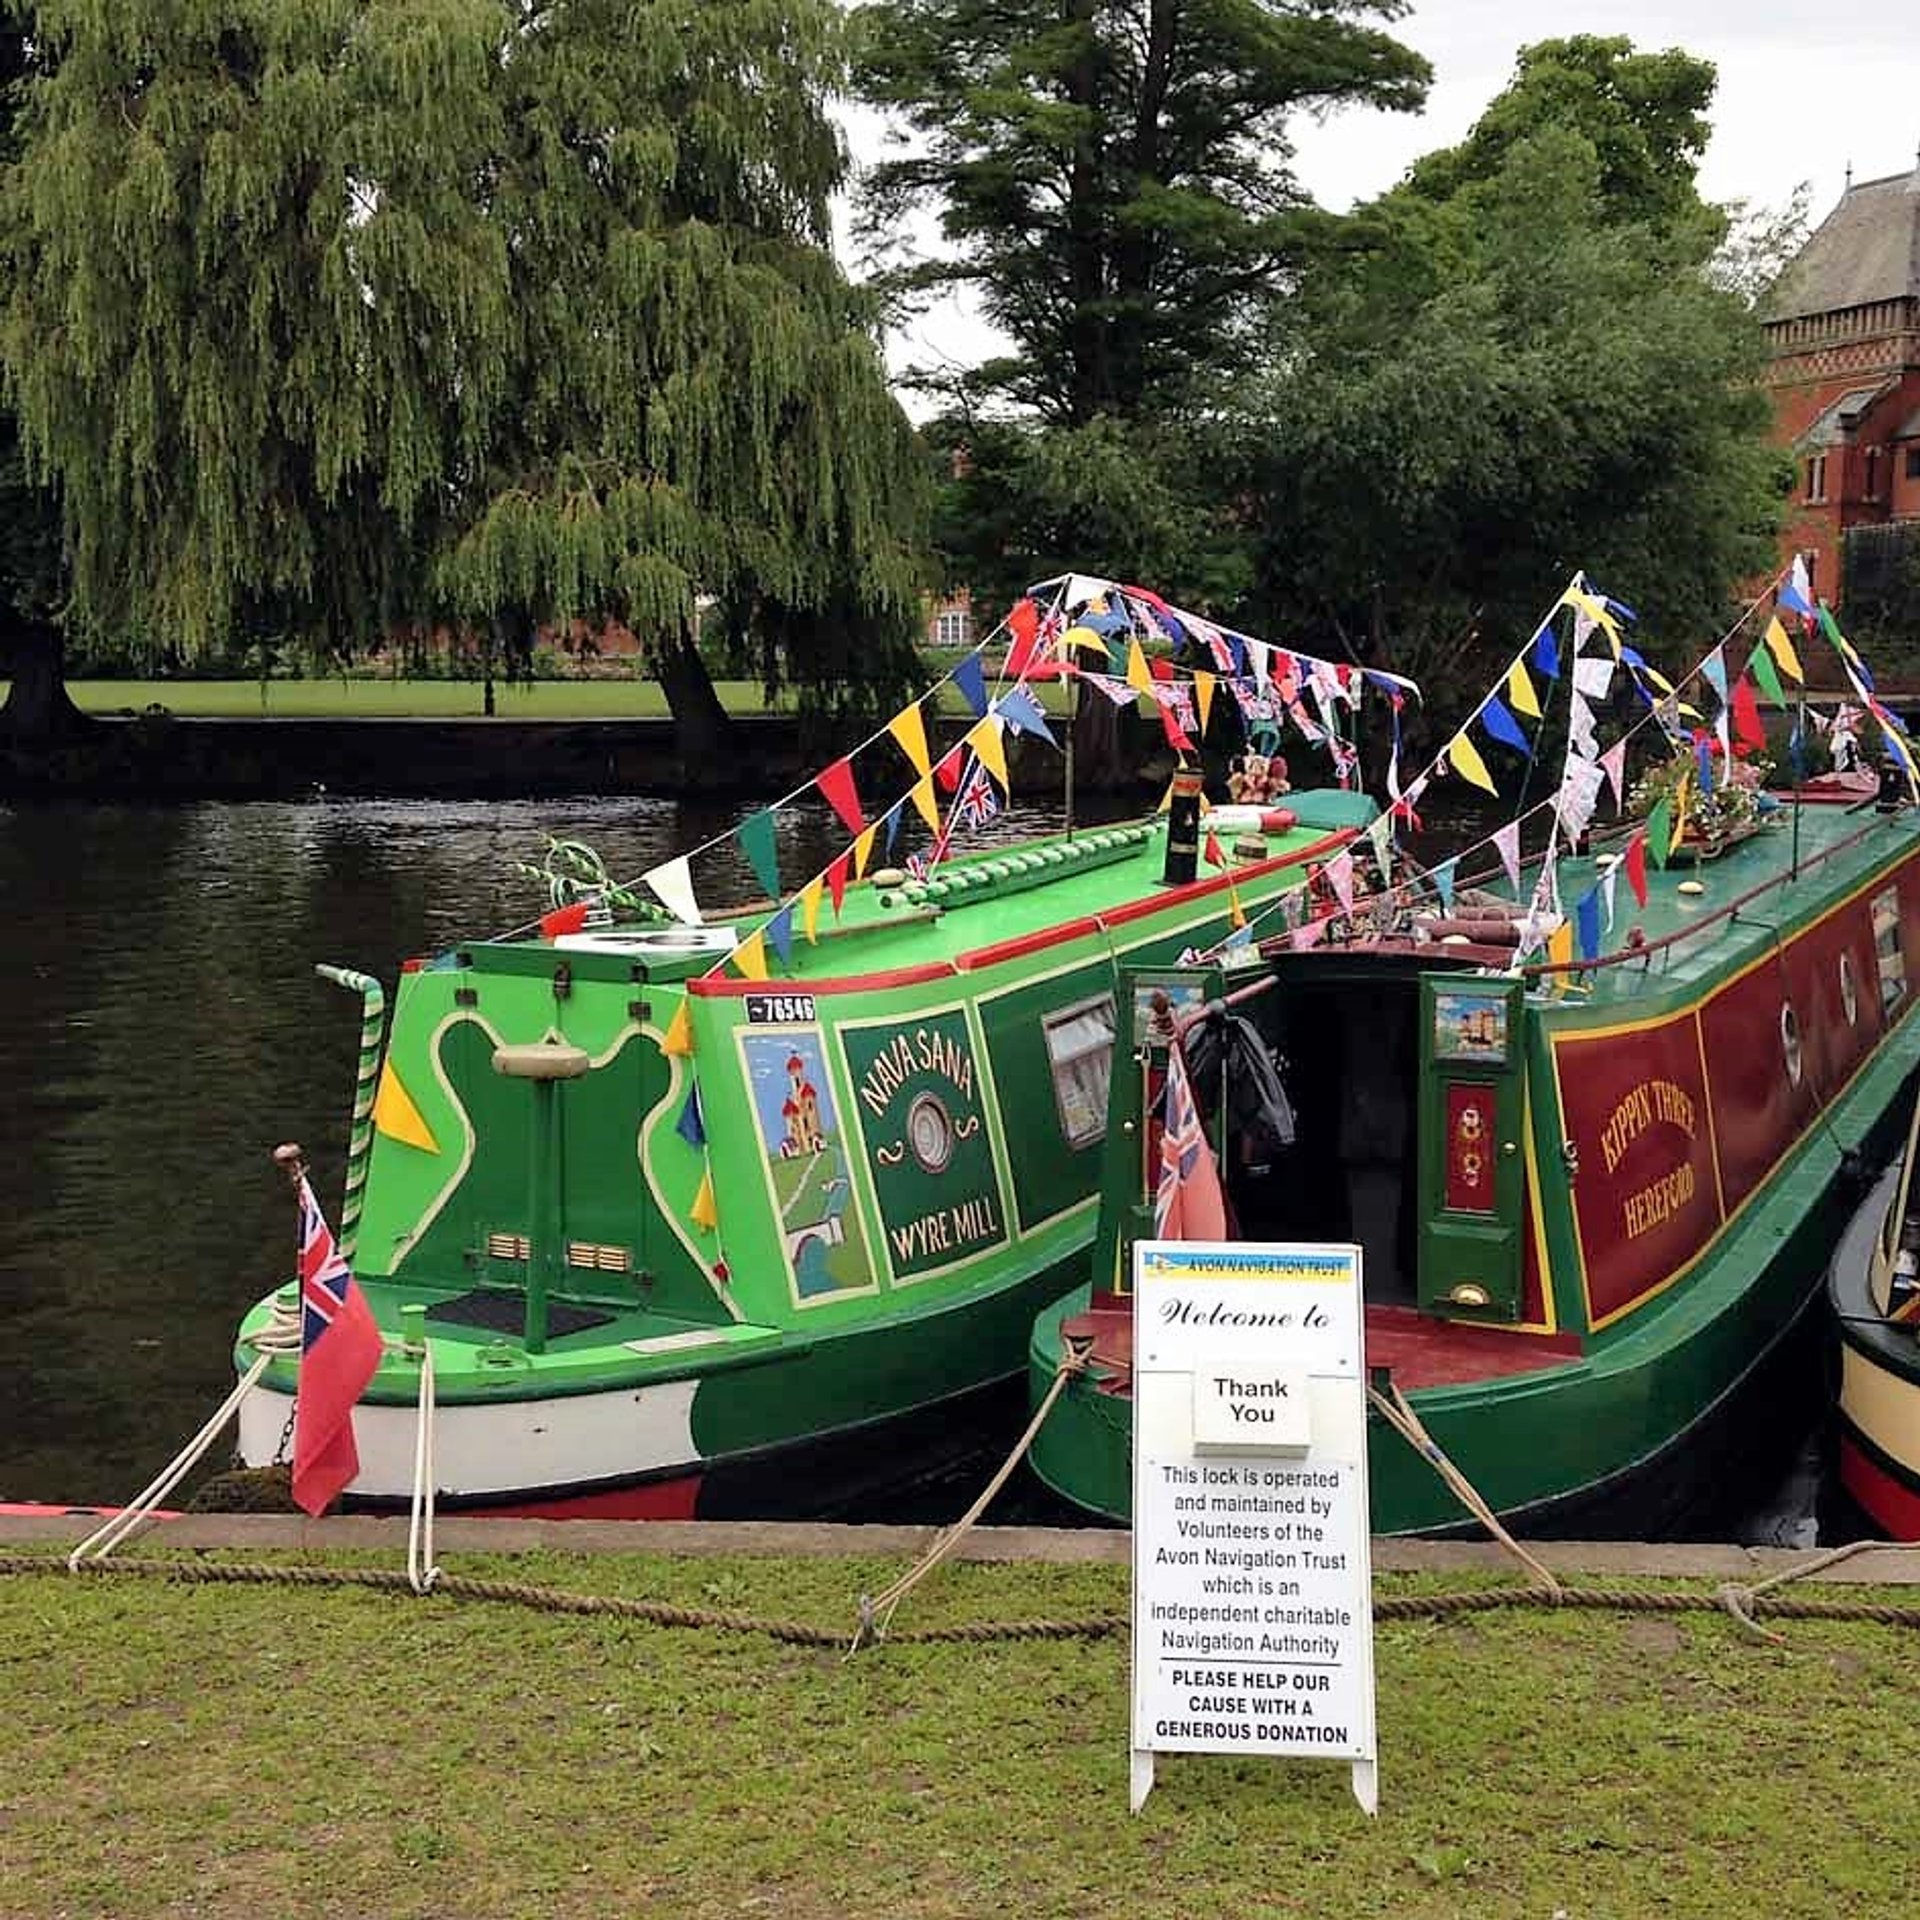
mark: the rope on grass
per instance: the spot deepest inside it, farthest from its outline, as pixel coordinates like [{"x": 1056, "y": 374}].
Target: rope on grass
[
  {"x": 876, "y": 1614},
  {"x": 1764, "y": 1600}
]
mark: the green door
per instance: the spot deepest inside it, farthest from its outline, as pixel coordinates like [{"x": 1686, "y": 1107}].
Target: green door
[{"x": 1472, "y": 1183}]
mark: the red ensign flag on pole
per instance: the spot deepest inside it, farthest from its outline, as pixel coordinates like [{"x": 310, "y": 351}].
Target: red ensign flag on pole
[{"x": 339, "y": 1353}]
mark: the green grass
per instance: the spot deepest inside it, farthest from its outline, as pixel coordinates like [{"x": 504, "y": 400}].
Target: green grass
[
  {"x": 429, "y": 699},
  {"x": 234, "y": 1751}
]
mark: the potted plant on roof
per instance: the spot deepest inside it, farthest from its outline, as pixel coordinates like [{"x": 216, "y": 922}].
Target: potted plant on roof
[{"x": 1725, "y": 799}]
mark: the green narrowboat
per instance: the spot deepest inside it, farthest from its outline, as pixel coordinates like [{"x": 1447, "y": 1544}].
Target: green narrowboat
[
  {"x": 686, "y": 1242},
  {"x": 1595, "y": 1199}
]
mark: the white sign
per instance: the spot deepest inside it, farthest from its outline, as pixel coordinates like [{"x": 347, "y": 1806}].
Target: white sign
[{"x": 1252, "y": 1575}]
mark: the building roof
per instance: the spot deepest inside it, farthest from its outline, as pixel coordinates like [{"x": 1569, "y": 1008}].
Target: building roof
[
  {"x": 1833, "y": 426},
  {"x": 1866, "y": 250}
]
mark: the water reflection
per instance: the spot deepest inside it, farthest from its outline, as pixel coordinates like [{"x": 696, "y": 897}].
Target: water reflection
[{"x": 164, "y": 1029}]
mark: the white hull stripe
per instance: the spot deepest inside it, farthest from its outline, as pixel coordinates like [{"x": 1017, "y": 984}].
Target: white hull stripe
[{"x": 507, "y": 1446}]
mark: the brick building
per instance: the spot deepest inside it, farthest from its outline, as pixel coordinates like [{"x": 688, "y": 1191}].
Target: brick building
[{"x": 1844, "y": 327}]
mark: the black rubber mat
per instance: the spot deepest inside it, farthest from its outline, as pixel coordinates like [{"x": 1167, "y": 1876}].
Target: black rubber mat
[{"x": 495, "y": 1311}]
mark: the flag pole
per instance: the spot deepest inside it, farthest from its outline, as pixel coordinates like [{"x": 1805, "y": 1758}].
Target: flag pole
[{"x": 1073, "y": 727}]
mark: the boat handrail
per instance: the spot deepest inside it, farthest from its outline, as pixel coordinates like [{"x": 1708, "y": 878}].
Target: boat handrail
[{"x": 1623, "y": 956}]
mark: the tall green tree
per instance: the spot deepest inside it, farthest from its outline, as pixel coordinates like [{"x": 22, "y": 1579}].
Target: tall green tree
[
  {"x": 1111, "y": 176},
  {"x": 33, "y": 583},
  {"x": 329, "y": 313},
  {"x": 1530, "y": 370}
]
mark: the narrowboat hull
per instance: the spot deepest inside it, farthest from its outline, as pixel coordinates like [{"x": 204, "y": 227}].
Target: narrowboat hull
[
  {"x": 1878, "y": 1443},
  {"x": 767, "y": 1219},
  {"x": 1688, "y": 1149}
]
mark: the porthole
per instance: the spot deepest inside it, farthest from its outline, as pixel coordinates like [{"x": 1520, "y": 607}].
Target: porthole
[
  {"x": 930, "y": 1133},
  {"x": 1849, "y": 991},
  {"x": 1790, "y": 1043}
]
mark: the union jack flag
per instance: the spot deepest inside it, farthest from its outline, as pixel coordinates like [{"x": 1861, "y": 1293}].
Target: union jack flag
[
  {"x": 917, "y": 865},
  {"x": 324, "y": 1276},
  {"x": 1187, "y": 1204},
  {"x": 979, "y": 799}
]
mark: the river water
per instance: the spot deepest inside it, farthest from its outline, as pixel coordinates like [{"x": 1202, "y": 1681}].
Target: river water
[{"x": 164, "y": 1030}]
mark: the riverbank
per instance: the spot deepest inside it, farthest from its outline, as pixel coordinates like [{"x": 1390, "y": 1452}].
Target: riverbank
[{"x": 232, "y": 1750}]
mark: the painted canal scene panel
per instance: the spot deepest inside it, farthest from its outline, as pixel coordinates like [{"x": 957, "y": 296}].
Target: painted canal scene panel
[
  {"x": 920, "y": 1099},
  {"x": 808, "y": 1160}
]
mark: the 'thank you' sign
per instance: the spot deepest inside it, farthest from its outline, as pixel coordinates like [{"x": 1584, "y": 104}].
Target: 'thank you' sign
[{"x": 1252, "y": 1577}]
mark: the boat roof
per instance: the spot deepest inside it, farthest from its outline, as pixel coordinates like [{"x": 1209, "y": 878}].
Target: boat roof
[{"x": 1703, "y": 916}]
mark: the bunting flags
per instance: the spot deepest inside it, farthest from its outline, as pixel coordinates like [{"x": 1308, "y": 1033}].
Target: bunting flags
[
  {"x": 1502, "y": 726},
  {"x": 750, "y": 956},
  {"x": 1760, "y": 666},
  {"x": 1796, "y": 591},
  {"x": 671, "y": 883},
  {"x": 690, "y": 1126},
  {"x": 1520, "y": 691},
  {"x": 928, "y": 806},
  {"x": 863, "y": 852},
  {"x": 1614, "y": 763},
  {"x": 1203, "y": 697},
  {"x": 757, "y": 836},
  {"x": 988, "y": 748},
  {"x": 810, "y": 909},
  {"x": 1781, "y": 648},
  {"x": 1442, "y": 878},
  {"x": 1023, "y": 629},
  {"x": 1636, "y": 863},
  {"x": 1339, "y": 871},
  {"x": 1546, "y": 653},
  {"x": 1021, "y": 711},
  {"x": 909, "y": 728},
  {"x": 1659, "y": 833},
  {"x": 1748, "y": 728},
  {"x": 703, "y": 1213},
  {"x": 678, "y": 1038},
  {"x": 1506, "y": 843},
  {"x": 1137, "y": 675},
  {"x": 971, "y": 678},
  {"x": 836, "y": 878},
  {"x": 836, "y": 783},
  {"x": 1465, "y": 760},
  {"x": 1586, "y": 920},
  {"x": 780, "y": 930}
]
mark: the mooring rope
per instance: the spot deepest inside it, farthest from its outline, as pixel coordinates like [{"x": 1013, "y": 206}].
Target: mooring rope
[{"x": 1763, "y": 1600}]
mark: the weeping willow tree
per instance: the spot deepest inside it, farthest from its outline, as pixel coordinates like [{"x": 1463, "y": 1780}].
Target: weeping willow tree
[{"x": 334, "y": 313}]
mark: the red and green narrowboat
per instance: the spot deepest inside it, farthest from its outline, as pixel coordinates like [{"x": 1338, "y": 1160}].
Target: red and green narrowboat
[
  {"x": 684, "y": 1241},
  {"x": 1594, "y": 1199}
]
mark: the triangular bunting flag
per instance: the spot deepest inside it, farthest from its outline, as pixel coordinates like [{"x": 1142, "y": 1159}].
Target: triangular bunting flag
[
  {"x": 1586, "y": 921},
  {"x": 1520, "y": 690},
  {"x": 946, "y": 770},
  {"x": 970, "y": 677},
  {"x": 757, "y": 835},
  {"x": 780, "y": 931},
  {"x": 1442, "y": 877},
  {"x": 1502, "y": 726},
  {"x": 1506, "y": 843},
  {"x": 703, "y": 1213},
  {"x": 1211, "y": 852},
  {"x": 1636, "y": 864},
  {"x": 1781, "y": 648},
  {"x": 1560, "y": 945},
  {"x": 836, "y": 782},
  {"x": 672, "y": 885},
  {"x": 928, "y": 807},
  {"x": 678, "y": 1038},
  {"x": 690, "y": 1126},
  {"x": 1594, "y": 677},
  {"x": 750, "y": 956},
  {"x": 1203, "y": 697},
  {"x": 1464, "y": 758},
  {"x": 1608, "y": 882},
  {"x": 985, "y": 740},
  {"x": 1796, "y": 591},
  {"x": 1380, "y": 834},
  {"x": 1748, "y": 728},
  {"x": 810, "y": 909},
  {"x": 892, "y": 824},
  {"x": 837, "y": 880},
  {"x": 1658, "y": 837},
  {"x": 863, "y": 852},
  {"x": 1614, "y": 760},
  {"x": 1309, "y": 935},
  {"x": 1766, "y": 676},
  {"x": 1713, "y": 669},
  {"x": 1340, "y": 878},
  {"x": 1236, "y": 913},
  {"x": 909, "y": 727},
  {"x": 1546, "y": 652},
  {"x": 1137, "y": 675},
  {"x": 1021, "y": 711},
  {"x": 395, "y": 1114},
  {"x": 1023, "y": 641}
]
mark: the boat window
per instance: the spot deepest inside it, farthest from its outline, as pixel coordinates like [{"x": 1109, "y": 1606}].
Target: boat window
[
  {"x": 1886, "y": 948},
  {"x": 1080, "y": 1053},
  {"x": 1849, "y": 991},
  {"x": 1790, "y": 1043}
]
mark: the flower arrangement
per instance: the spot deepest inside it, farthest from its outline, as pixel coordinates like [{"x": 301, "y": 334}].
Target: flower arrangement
[{"x": 1723, "y": 798}]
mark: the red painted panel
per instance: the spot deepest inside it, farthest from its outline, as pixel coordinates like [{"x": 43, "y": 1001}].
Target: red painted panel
[
  {"x": 675, "y": 1499},
  {"x": 1469, "y": 1163},
  {"x": 1757, "y": 1109},
  {"x": 1635, "y": 1107},
  {"x": 1893, "y": 1504}
]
